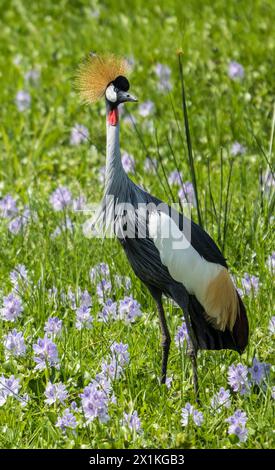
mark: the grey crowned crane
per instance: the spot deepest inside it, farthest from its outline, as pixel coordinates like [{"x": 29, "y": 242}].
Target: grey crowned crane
[{"x": 170, "y": 253}]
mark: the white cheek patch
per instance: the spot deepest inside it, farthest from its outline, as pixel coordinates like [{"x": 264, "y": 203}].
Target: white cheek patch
[{"x": 111, "y": 94}]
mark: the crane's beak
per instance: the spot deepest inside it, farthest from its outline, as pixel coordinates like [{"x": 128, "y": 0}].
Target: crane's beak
[
  {"x": 124, "y": 96},
  {"x": 132, "y": 98}
]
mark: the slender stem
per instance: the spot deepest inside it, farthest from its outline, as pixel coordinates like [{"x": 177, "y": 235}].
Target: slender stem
[
  {"x": 210, "y": 194},
  {"x": 226, "y": 209},
  {"x": 221, "y": 197},
  {"x": 177, "y": 168},
  {"x": 188, "y": 139},
  {"x": 139, "y": 135},
  {"x": 162, "y": 167}
]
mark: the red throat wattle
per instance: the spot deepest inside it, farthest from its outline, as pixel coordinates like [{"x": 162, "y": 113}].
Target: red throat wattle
[{"x": 113, "y": 117}]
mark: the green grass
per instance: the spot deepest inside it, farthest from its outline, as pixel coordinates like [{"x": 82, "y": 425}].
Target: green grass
[{"x": 36, "y": 158}]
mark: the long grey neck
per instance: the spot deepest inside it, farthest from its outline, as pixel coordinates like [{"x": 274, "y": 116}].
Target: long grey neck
[{"x": 114, "y": 173}]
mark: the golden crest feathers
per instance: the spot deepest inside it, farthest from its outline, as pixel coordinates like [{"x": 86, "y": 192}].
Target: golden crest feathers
[{"x": 96, "y": 72}]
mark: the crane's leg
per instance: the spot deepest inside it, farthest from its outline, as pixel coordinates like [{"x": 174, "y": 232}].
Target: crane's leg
[
  {"x": 165, "y": 335},
  {"x": 192, "y": 351},
  {"x": 182, "y": 298}
]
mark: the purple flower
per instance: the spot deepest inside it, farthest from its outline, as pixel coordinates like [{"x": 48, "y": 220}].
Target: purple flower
[
  {"x": 120, "y": 353},
  {"x": 46, "y": 353},
  {"x": 14, "y": 344},
  {"x": 71, "y": 298},
  {"x": 131, "y": 60},
  {"x": 132, "y": 421},
  {"x": 237, "y": 423},
  {"x": 175, "y": 178},
  {"x": 198, "y": 417},
  {"x": 237, "y": 149},
  {"x": 259, "y": 371},
  {"x": 271, "y": 325},
  {"x": 239, "y": 417},
  {"x": 8, "y": 207},
  {"x": 12, "y": 307},
  {"x": 109, "y": 311},
  {"x": 84, "y": 318},
  {"x": 79, "y": 203},
  {"x": 112, "y": 370},
  {"x": 17, "y": 224},
  {"x": 103, "y": 289},
  {"x": 146, "y": 108},
  {"x": 235, "y": 70},
  {"x": 19, "y": 276},
  {"x": 128, "y": 162},
  {"x": 66, "y": 226},
  {"x": 163, "y": 72},
  {"x": 237, "y": 378},
  {"x": 99, "y": 271},
  {"x": 188, "y": 413},
  {"x": 53, "y": 327},
  {"x": 22, "y": 100},
  {"x": 129, "y": 309},
  {"x": 268, "y": 181},
  {"x": 95, "y": 402},
  {"x": 181, "y": 335},
  {"x": 32, "y": 76},
  {"x": 250, "y": 283},
  {"x": 67, "y": 420},
  {"x": 26, "y": 214},
  {"x": 55, "y": 393},
  {"x": 79, "y": 134},
  {"x": 271, "y": 262},
  {"x": 239, "y": 431},
  {"x": 187, "y": 193},
  {"x": 86, "y": 298},
  {"x": 60, "y": 198},
  {"x": 123, "y": 281},
  {"x": 9, "y": 387},
  {"x": 222, "y": 398},
  {"x": 98, "y": 394},
  {"x": 74, "y": 406},
  {"x": 104, "y": 383},
  {"x": 23, "y": 399}
]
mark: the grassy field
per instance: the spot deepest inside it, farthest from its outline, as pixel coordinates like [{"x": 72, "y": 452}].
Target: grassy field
[{"x": 50, "y": 269}]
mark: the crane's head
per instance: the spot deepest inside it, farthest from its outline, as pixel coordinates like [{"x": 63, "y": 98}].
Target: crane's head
[
  {"x": 118, "y": 92},
  {"x": 104, "y": 75}
]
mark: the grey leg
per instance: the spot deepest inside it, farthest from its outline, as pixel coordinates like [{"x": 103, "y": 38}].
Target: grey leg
[
  {"x": 165, "y": 341},
  {"x": 165, "y": 335}
]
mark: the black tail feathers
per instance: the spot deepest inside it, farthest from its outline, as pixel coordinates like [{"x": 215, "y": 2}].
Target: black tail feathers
[
  {"x": 210, "y": 338},
  {"x": 241, "y": 328}
]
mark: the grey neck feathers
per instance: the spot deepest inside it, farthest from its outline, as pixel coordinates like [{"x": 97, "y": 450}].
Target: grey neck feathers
[
  {"x": 116, "y": 180},
  {"x": 119, "y": 190}
]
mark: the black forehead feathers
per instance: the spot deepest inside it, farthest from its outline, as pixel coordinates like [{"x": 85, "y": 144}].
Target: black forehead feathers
[{"x": 121, "y": 83}]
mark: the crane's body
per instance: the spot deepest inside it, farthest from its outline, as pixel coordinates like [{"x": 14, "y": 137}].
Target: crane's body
[{"x": 194, "y": 275}]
